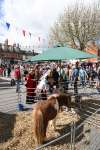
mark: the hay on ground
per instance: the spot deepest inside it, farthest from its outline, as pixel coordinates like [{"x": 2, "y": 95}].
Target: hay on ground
[{"x": 22, "y": 132}]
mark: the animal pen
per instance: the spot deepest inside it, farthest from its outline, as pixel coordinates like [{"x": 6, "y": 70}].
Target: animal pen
[{"x": 81, "y": 134}]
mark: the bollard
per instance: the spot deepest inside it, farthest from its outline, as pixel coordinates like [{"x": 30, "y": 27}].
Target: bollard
[{"x": 20, "y": 107}]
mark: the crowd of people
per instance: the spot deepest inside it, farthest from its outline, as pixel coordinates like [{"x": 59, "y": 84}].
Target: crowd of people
[{"x": 59, "y": 75}]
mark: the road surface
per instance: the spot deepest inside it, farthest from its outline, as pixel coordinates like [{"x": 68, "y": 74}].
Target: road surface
[{"x": 9, "y": 99}]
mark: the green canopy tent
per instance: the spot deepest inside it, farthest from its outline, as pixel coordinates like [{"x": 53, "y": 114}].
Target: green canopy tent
[
  {"x": 27, "y": 61},
  {"x": 61, "y": 53}
]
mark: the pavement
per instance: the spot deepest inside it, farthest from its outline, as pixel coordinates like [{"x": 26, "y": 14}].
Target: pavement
[{"x": 10, "y": 100}]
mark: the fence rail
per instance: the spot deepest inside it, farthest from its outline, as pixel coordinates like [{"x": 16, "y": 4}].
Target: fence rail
[{"x": 9, "y": 101}]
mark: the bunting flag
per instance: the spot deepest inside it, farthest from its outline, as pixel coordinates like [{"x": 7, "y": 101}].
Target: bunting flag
[
  {"x": 23, "y": 31},
  {"x": 39, "y": 38},
  {"x": 30, "y": 34},
  {"x": 8, "y": 25}
]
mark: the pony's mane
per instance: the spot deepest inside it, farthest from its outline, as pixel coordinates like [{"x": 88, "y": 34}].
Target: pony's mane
[
  {"x": 42, "y": 104},
  {"x": 53, "y": 96}
]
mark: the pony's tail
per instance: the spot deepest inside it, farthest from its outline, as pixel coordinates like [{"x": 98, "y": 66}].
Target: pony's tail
[{"x": 38, "y": 127}]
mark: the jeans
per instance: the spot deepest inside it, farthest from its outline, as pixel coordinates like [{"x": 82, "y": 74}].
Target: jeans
[
  {"x": 82, "y": 80},
  {"x": 75, "y": 86},
  {"x": 17, "y": 85}
]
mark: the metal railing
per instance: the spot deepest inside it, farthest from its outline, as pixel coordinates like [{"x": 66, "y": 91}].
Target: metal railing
[
  {"x": 9, "y": 101},
  {"x": 92, "y": 139},
  {"x": 55, "y": 140}
]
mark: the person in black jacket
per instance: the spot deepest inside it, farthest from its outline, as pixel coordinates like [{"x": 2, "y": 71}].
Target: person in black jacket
[{"x": 55, "y": 76}]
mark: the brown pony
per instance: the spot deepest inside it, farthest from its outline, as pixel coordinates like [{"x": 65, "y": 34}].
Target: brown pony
[{"x": 46, "y": 110}]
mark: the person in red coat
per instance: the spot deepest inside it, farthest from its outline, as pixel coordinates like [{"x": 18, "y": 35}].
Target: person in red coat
[
  {"x": 31, "y": 84},
  {"x": 17, "y": 75}
]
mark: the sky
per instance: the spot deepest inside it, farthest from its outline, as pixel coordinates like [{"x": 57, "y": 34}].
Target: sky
[{"x": 35, "y": 16}]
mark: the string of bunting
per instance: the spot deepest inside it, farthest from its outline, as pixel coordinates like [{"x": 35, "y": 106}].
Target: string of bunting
[{"x": 24, "y": 32}]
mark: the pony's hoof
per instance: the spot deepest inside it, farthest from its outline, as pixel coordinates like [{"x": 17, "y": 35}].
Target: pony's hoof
[
  {"x": 57, "y": 134},
  {"x": 37, "y": 146},
  {"x": 44, "y": 142}
]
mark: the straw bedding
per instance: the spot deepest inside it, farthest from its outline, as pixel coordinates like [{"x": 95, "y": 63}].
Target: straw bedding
[{"x": 22, "y": 132}]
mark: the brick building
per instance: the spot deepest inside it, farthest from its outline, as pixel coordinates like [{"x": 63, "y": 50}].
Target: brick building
[
  {"x": 13, "y": 54},
  {"x": 93, "y": 48}
]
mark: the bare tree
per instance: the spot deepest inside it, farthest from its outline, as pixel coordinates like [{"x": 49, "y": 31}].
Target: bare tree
[{"x": 76, "y": 26}]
